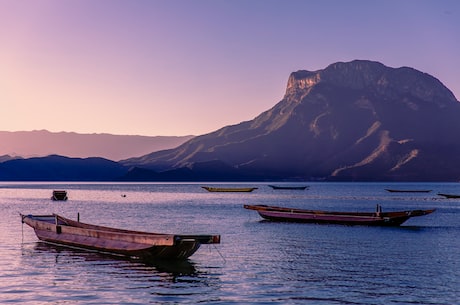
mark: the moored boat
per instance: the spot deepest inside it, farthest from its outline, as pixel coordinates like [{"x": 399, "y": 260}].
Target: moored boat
[
  {"x": 229, "y": 189},
  {"x": 407, "y": 191},
  {"x": 449, "y": 196},
  {"x": 288, "y": 187},
  {"x": 63, "y": 231},
  {"x": 59, "y": 195},
  {"x": 378, "y": 218}
]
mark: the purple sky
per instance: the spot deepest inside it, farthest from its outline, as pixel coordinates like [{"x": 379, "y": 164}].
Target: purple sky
[{"x": 190, "y": 67}]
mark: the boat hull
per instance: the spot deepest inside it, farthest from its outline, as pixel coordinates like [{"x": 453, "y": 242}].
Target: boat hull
[
  {"x": 449, "y": 196},
  {"x": 278, "y": 187},
  {"x": 230, "y": 189},
  {"x": 344, "y": 218},
  {"x": 407, "y": 191},
  {"x": 59, "y": 196},
  {"x": 63, "y": 231}
]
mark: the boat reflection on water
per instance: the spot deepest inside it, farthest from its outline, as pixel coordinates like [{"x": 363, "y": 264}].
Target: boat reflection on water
[{"x": 63, "y": 255}]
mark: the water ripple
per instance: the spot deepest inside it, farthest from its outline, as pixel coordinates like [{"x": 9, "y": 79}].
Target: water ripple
[{"x": 258, "y": 262}]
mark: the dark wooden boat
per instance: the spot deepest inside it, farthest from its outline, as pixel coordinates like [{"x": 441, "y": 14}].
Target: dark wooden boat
[
  {"x": 449, "y": 196},
  {"x": 407, "y": 191},
  {"x": 377, "y": 218},
  {"x": 287, "y": 187},
  {"x": 229, "y": 189},
  {"x": 62, "y": 231},
  {"x": 59, "y": 195}
]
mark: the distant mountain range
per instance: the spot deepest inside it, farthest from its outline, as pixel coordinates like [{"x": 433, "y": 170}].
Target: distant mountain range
[
  {"x": 40, "y": 143},
  {"x": 59, "y": 168},
  {"x": 353, "y": 121}
]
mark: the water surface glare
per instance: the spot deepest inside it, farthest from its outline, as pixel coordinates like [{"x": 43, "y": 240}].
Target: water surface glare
[{"x": 257, "y": 262}]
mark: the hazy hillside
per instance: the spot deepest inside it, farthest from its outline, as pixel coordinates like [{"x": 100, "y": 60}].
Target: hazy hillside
[
  {"x": 113, "y": 147},
  {"x": 359, "y": 120},
  {"x": 59, "y": 168}
]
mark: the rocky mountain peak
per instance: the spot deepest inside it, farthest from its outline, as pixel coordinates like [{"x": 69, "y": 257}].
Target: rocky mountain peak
[
  {"x": 358, "y": 120},
  {"x": 373, "y": 77}
]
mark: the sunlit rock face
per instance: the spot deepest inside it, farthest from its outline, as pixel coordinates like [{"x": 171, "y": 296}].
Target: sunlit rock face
[{"x": 353, "y": 121}]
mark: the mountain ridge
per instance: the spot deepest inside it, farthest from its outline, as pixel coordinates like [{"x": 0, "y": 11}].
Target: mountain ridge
[
  {"x": 359, "y": 120},
  {"x": 61, "y": 168},
  {"x": 40, "y": 143}
]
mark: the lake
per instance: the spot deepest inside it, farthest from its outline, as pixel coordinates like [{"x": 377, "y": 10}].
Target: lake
[{"x": 257, "y": 262}]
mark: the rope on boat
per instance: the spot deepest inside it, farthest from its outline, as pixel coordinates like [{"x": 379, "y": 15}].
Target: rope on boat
[
  {"x": 223, "y": 258},
  {"x": 22, "y": 226},
  {"x": 22, "y": 229}
]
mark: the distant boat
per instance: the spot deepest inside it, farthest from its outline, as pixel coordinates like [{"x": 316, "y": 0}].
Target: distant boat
[
  {"x": 59, "y": 195},
  {"x": 287, "y": 187},
  {"x": 407, "y": 191},
  {"x": 449, "y": 196},
  {"x": 229, "y": 189},
  {"x": 62, "y": 231},
  {"x": 378, "y": 218}
]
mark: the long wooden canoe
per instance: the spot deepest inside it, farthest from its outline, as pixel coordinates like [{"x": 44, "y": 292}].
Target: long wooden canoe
[
  {"x": 63, "y": 231},
  {"x": 407, "y": 191},
  {"x": 377, "y": 218},
  {"x": 229, "y": 189},
  {"x": 449, "y": 196},
  {"x": 287, "y": 187}
]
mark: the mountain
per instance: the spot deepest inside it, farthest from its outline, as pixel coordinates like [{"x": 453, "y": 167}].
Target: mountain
[
  {"x": 41, "y": 143},
  {"x": 353, "y": 121},
  {"x": 7, "y": 158},
  {"x": 59, "y": 168}
]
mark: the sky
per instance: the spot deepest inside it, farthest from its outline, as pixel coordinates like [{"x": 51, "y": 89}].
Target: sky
[{"x": 190, "y": 67}]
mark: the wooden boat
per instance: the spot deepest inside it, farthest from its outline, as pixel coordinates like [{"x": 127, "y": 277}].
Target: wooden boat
[
  {"x": 449, "y": 196},
  {"x": 377, "y": 218},
  {"x": 59, "y": 195},
  {"x": 229, "y": 189},
  {"x": 287, "y": 187},
  {"x": 407, "y": 191},
  {"x": 62, "y": 231}
]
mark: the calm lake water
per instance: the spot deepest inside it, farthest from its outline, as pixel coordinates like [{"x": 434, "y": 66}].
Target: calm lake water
[{"x": 257, "y": 262}]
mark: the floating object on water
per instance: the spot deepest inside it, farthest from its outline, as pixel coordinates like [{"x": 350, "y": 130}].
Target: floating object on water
[
  {"x": 229, "y": 189},
  {"x": 59, "y": 195},
  {"x": 407, "y": 191},
  {"x": 283, "y": 187},
  {"x": 449, "y": 196},
  {"x": 62, "y": 231},
  {"x": 378, "y": 218}
]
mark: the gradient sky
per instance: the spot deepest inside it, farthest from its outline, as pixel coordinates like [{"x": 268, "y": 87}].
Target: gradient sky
[{"x": 190, "y": 67}]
